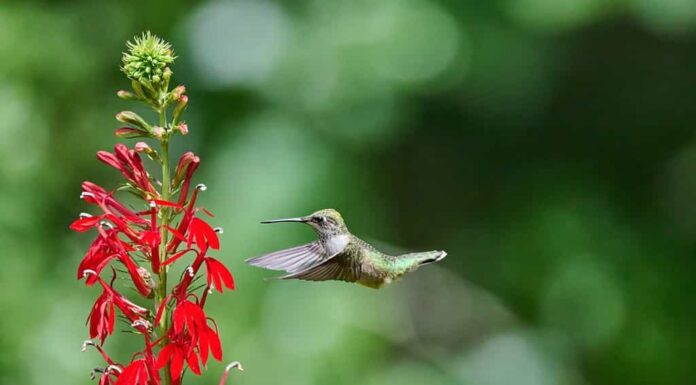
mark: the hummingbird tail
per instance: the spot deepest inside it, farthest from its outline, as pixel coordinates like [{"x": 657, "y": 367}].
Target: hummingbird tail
[{"x": 431, "y": 257}]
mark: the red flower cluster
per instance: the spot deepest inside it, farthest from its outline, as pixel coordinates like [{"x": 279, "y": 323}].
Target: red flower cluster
[{"x": 145, "y": 243}]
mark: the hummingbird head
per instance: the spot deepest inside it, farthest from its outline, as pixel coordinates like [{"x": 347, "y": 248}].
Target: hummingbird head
[{"x": 326, "y": 222}]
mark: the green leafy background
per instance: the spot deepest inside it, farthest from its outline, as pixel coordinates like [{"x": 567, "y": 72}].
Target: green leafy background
[{"x": 547, "y": 145}]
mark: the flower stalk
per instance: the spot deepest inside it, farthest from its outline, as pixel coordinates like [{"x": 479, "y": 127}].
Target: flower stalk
[{"x": 147, "y": 241}]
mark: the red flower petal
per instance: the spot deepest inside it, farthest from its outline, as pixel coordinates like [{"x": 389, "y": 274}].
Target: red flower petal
[
  {"x": 177, "y": 364},
  {"x": 215, "y": 346},
  {"x": 161, "y": 202},
  {"x": 192, "y": 361},
  {"x": 83, "y": 224},
  {"x": 165, "y": 355},
  {"x": 202, "y": 233}
]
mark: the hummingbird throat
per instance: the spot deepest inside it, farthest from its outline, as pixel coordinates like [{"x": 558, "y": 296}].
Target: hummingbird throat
[{"x": 334, "y": 244}]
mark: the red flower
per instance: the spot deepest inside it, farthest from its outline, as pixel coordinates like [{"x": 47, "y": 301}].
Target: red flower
[
  {"x": 188, "y": 163},
  {"x": 134, "y": 374},
  {"x": 95, "y": 194},
  {"x": 177, "y": 352},
  {"x": 105, "y": 248},
  {"x": 183, "y": 349},
  {"x": 218, "y": 275},
  {"x": 191, "y": 340},
  {"x": 202, "y": 234},
  {"x": 188, "y": 315},
  {"x": 86, "y": 222},
  {"x": 128, "y": 162},
  {"x": 102, "y": 318},
  {"x": 132, "y": 311}
]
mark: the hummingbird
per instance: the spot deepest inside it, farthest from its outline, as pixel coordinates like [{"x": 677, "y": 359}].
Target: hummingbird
[{"x": 340, "y": 255}]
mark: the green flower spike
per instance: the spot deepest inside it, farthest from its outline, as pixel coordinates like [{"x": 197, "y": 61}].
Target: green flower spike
[{"x": 147, "y": 58}]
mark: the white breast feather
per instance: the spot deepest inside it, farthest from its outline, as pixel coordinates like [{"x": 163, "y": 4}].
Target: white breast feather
[{"x": 336, "y": 244}]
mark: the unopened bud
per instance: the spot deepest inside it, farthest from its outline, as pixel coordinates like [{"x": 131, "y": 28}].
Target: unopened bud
[
  {"x": 176, "y": 93},
  {"x": 134, "y": 119},
  {"x": 180, "y": 107},
  {"x": 167, "y": 74},
  {"x": 183, "y": 128},
  {"x": 130, "y": 132},
  {"x": 138, "y": 89},
  {"x": 127, "y": 95},
  {"x": 142, "y": 147},
  {"x": 158, "y": 132}
]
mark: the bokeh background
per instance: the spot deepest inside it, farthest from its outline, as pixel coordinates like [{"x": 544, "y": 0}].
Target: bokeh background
[{"x": 547, "y": 145}]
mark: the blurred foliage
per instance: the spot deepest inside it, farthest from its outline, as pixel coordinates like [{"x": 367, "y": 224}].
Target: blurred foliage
[{"x": 546, "y": 145}]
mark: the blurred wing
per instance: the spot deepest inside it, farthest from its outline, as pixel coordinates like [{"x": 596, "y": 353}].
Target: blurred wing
[
  {"x": 339, "y": 269},
  {"x": 292, "y": 260}
]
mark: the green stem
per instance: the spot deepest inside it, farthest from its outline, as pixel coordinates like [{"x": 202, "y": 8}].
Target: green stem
[{"x": 161, "y": 292}]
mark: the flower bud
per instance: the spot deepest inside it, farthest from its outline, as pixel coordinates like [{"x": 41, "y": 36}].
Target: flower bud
[
  {"x": 146, "y": 59},
  {"x": 180, "y": 107},
  {"x": 182, "y": 128},
  {"x": 129, "y": 133},
  {"x": 134, "y": 119},
  {"x": 158, "y": 132},
  {"x": 166, "y": 75},
  {"x": 138, "y": 88},
  {"x": 127, "y": 95},
  {"x": 176, "y": 93},
  {"x": 142, "y": 147}
]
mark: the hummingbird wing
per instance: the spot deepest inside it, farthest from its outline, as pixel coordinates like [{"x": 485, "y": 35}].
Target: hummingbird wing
[
  {"x": 339, "y": 269},
  {"x": 293, "y": 259}
]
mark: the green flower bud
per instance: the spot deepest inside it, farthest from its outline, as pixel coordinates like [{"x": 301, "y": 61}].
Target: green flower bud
[
  {"x": 147, "y": 58},
  {"x": 130, "y": 117},
  {"x": 130, "y": 132},
  {"x": 180, "y": 106},
  {"x": 125, "y": 95}
]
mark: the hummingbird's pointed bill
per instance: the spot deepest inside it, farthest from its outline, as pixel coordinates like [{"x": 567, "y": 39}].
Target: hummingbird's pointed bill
[{"x": 298, "y": 219}]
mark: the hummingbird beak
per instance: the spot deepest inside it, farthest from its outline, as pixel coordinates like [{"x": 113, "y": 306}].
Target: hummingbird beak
[{"x": 298, "y": 219}]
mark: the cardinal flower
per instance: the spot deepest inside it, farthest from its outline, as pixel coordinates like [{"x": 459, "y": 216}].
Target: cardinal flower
[
  {"x": 128, "y": 162},
  {"x": 134, "y": 374},
  {"x": 218, "y": 275},
  {"x": 192, "y": 340},
  {"x": 140, "y": 240},
  {"x": 102, "y": 317}
]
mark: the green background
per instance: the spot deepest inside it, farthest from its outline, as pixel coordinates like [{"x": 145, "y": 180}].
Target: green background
[{"x": 547, "y": 145}]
